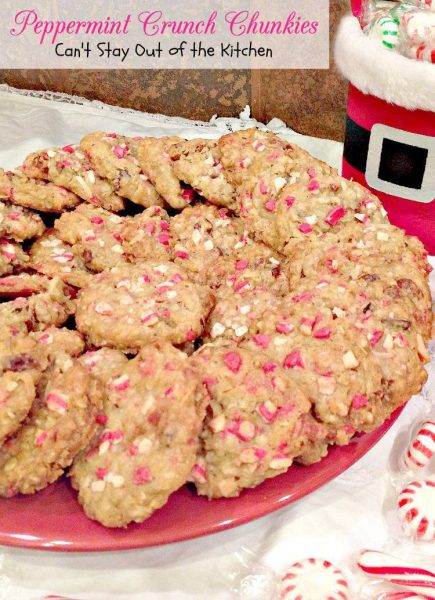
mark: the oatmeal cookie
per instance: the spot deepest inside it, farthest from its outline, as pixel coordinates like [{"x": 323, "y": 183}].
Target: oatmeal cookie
[
  {"x": 253, "y": 426},
  {"x": 19, "y": 224},
  {"x": 331, "y": 253},
  {"x": 53, "y": 306},
  {"x": 147, "y": 235},
  {"x": 155, "y": 162},
  {"x": 24, "y": 191},
  {"x": 331, "y": 362},
  {"x": 313, "y": 206},
  {"x": 57, "y": 341},
  {"x": 60, "y": 424},
  {"x": 14, "y": 286},
  {"x": 201, "y": 234},
  {"x": 70, "y": 168},
  {"x": 383, "y": 314},
  {"x": 134, "y": 305},
  {"x": 22, "y": 361},
  {"x": 196, "y": 162},
  {"x": 147, "y": 446},
  {"x": 114, "y": 157},
  {"x": 247, "y": 154},
  {"x": 95, "y": 235},
  {"x": 54, "y": 257}
]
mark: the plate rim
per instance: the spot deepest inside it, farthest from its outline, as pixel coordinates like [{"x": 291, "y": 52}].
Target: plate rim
[{"x": 123, "y": 544}]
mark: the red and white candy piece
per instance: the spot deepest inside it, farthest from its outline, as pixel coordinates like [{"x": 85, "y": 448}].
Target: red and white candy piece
[
  {"x": 314, "y": 579},
  {"x": 400, "y": 596},
  {"x": 422, "y": 448},
  {"x": 398, "y": 572},
  {"x": 416, "y": 505}
]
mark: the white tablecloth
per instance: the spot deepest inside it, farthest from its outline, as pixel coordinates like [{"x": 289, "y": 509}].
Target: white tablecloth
[{"x": 354, "y": 511}]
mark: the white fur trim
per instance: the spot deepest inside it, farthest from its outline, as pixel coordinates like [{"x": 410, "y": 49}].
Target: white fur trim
[{"x": 382, "y": 73}]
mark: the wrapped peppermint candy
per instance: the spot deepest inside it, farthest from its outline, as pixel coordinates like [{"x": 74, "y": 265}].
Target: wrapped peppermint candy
[{"x": 405, "y": 27}]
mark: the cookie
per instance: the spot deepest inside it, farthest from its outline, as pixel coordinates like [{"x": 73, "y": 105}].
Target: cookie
[
  {"x": 201, "y": 234},
  {"x": 389, "y": 276},
  {"x": 39, "y": 311},
  {"x": 52, "y": 256},
  {"x": 21, "y": 190},
  {"x": 247, "y": 154},
  {"x": 322, "y": 204},
  {"x": 134, "y": 305},
  {"x": 382, "y": 314},
  {"x": 95, "y": 236},
  {"x": 147, "y": 236},
  {"x": 12, "y": 256},
  {"x": 60, "y": 424},
  {"x": 196, "y": 162},
  {"x": 331, "y": 253},
  {"x": 70, "y": 168},
  {"x": 147, "y": 445},
  {"x": 22, "y": 361},
  {"x": 155, "y": 162},
  {"x": 261, "y": 165},
  {"x": 253, "y": 424},
  {"x": 23, "y": 285},
  {"x": 332, "y": 364},
  {"x": 114, "y": 157},
  {"x": 19, "y": 224}
]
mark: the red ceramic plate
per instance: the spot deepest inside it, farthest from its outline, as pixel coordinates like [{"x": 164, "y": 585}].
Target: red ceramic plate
[{"x": 53, "y": 520}]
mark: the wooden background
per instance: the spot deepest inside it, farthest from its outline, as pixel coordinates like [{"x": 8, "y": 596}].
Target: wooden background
[{"x": 310, "y": 101}]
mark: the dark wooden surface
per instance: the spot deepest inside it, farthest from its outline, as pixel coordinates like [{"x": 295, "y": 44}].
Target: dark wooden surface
[{"x": 310, "y": 101}]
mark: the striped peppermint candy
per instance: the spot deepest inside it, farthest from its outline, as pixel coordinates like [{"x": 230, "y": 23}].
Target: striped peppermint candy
[
  {"x": 399, "y": 572},
  {"x": 422, "y": 448},
  {"x": 400, "y": 596},
  {"x": 314, "y": 579},
  {"x": 416, "y": 505}
]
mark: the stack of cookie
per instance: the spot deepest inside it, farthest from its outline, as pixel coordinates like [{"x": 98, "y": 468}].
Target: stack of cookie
[{"x": 203, "y": 311}]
